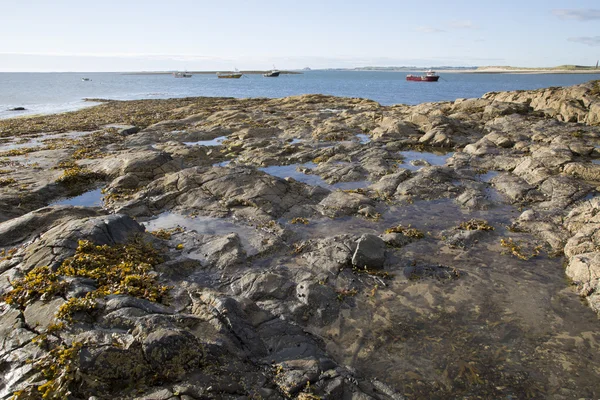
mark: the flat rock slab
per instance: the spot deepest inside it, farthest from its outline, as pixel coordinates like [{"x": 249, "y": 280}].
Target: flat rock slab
[{"x": 40, "y": 314}]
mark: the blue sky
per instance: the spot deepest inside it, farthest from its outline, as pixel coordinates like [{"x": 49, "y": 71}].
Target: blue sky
[{"x": 134, "y": 35}]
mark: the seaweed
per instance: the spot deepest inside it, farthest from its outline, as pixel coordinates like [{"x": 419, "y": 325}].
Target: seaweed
[
  {"x": 407, "y": 231},
  {"x": 475, "y": 225}
]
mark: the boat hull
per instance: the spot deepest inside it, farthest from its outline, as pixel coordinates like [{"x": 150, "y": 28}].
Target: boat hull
[
  {"x": 271, "y": 75},
  {"x": 229, "y": 76},
  {"x": 422, "y": 78}
]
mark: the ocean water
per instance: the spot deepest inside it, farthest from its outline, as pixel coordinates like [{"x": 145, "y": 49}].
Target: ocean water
[{"x": 58, "y": 92}]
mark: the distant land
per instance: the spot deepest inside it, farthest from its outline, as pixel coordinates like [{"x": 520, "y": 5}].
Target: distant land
[
  {"x": 561, "y": 69},
  {"x": 256, "y": 72}
]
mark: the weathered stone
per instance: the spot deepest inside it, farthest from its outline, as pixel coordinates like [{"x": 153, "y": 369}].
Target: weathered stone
[
  {"x": 113, "y": 364},
  {"x": 340, "y": 203},
  {"x": 369, "y": 253},
  {"x": 40, "y": 315},
  {"x": 329, "y": 254},
  {"x": 170, "y": 353},
  {"x": 259, "y": 286},
  {"x": 23, "y": 228}
]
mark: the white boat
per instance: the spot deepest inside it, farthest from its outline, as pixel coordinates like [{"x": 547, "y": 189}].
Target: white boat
[
  {"x": 182, "y": 75},
  {"x": 85, "y": 79}
]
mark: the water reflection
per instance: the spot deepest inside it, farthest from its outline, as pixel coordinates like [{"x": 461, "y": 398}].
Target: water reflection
[
  {"x": 38, "y": 141},
  {"x": 205, "y": 226},
  {"x": 93, "y": 198},
  {"x": 295, "y": 171},
  {"x": 412, "y": 158},
  {"x": 213, "y": 142}
]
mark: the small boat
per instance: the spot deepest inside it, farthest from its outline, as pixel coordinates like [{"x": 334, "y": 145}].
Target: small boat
[
  {"x": 274, "y": 73},
  {"x": 85, "y": 79},
  {"x": 182, "y": 75},
  {"x": 229, "y": 75},
  {"x": 430, "y": 76}
]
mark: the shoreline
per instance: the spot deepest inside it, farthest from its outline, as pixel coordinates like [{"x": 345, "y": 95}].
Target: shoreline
[
  {"x": 251, "y": 72},
  {"x": 281, "y": 240},
  {"x": 518, "y": 71}
]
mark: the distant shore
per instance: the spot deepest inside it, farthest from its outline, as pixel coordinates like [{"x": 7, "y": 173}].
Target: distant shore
[
  {"x": 254, "y": 72},
  {"x": 500, "y": 70},
  {"x": 492, "y": 69}
]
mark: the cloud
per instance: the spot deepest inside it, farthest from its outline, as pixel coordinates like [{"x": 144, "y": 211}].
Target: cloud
[
  {"x": 150, "y": 56},
  {"x": 589, "y": 40},
  {"x": 466, "y": 24},
  {"x": 452, "y": 25},
  {"x": 429, "y": 29},
  {"x": 577, "y": 14}
]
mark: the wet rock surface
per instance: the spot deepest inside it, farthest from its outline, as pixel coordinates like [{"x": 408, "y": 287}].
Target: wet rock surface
[{"x": 305, "y": 247}]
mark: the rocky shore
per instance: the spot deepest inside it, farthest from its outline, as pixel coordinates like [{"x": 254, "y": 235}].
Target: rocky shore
[{"x": 308, "y": 247}]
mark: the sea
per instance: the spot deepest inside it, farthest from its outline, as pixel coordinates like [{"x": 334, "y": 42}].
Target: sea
[{"x": 44, "y": 93}]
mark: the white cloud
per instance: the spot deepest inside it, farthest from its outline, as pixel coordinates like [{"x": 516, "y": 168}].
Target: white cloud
[
  {"x": 429, "y": 29},
  {"x": 466, "y": 24},
  {"x": 577, "y": 14},
  {"x": 588, "y": 40},
  {"x": 149, "y": 56}
]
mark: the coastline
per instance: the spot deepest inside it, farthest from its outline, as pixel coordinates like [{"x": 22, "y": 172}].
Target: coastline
[
  {"x": 250, "y": 72},
  {"x": 517, "y": 71},
  {"x": 276, "y": 232}
]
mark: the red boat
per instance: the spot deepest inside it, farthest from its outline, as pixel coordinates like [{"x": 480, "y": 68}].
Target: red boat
[{"x": 430, "y": 76}]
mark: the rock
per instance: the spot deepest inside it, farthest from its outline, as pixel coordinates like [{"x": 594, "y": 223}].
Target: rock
[
  {"x": 584, "y": 271},
  {"x": 438, "y": 136},
  {"x": 170, "y": 353},
  {"x": 341, "y": 203},
  {"x": 61, "y": 241},
  {"x": 260, "y": 286},
  {"x": 390, "y": 128},
  {"x": 396, "y": 239},
  {"x": 110, "y": 364},
  {"x": 146, "y": 165},
  {"x": 370, "y": 252},
  {"x": 161, "y": 394},
  {"x": 589, "y": 172},
  {"x": 321, "y": 300},
  {"x": 127, "y": 181},
  {"x": 12, "y": 331},
  {"x": 462, "y": 238},
  {"x": 329, "y": 254},
  {"x": 223, "y": 252},
  {"x": 128, "y": 130},
  {"x": 515, "y": 188},
  {"x": 387, "y": 185},
  {"x": 40, "y": 315},
  {"x": 222, "y": 189},
  {"x": 429, "y": 183},
  {"x": 481, "y": 147},
  {"x": 21, "y": 229}
]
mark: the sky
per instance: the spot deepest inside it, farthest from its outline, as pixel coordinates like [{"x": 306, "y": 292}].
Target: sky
[{"x": 151, "y": 35}]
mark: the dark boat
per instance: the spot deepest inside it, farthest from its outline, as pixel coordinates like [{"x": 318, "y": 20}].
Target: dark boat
[
  {"x": 430, "y": 76},
  {"x": 272, "y": 73}
]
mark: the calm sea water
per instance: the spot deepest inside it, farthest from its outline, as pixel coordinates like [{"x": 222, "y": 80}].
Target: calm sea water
[{"x": 57, "y": 92}]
